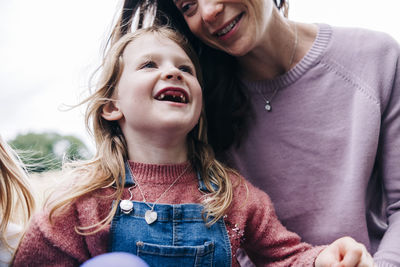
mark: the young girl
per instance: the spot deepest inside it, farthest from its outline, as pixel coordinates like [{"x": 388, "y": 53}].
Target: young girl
[
  {"x": 154, "y": 188},
  {"x": 16, "y": 202}
]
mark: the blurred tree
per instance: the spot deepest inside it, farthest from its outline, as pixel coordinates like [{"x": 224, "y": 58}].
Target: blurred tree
[{"x": 46, "y": 151}]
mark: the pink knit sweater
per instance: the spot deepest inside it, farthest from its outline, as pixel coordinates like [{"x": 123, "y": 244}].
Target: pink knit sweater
[{"x": 251, "y": 223}]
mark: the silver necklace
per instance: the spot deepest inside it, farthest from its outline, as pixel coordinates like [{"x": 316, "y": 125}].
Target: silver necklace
[
  {"x": 296, "y": 40},
  {"x": 150, "y": 215},
  {"x": 268, "y": 106}
]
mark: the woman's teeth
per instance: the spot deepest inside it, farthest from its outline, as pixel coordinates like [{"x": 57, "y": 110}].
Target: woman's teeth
[{"x": 229, "y": 27}]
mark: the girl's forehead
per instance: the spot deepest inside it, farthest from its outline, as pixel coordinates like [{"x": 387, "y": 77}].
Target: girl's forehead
[
  {"x": 149, "y": 43},
  {"x": 151, "y": 38}
]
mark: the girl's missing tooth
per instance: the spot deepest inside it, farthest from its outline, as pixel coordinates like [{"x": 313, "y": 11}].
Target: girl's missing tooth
[{"x": 154, "y": 188}]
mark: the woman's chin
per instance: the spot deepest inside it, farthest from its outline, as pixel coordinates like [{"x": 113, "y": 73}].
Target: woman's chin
[{"x": 237, "y": 48}]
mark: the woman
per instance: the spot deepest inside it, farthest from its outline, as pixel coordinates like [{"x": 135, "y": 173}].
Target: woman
[{"x": 307, "y": 112}]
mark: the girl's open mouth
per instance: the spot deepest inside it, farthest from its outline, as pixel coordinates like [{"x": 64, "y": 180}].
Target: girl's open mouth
[{"x": 176, "y": 95}]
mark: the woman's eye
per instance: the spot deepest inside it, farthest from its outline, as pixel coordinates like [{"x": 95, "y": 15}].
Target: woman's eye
[
  {"x": 187, "y": 69},
  {"x": 148, "y": 64},
  {"x": 187, "y": 8}
]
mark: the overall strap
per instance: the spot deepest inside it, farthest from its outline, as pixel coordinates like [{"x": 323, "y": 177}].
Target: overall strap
[
  {"x": 128, "y": 175},
  {"x": 202, "y": 185}
]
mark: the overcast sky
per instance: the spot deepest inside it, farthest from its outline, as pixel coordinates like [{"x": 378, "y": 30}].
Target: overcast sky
[{"x": 49, "y": 48}]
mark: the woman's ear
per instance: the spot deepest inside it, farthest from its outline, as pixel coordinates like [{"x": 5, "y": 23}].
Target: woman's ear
[{"x": 111, "y": 112}]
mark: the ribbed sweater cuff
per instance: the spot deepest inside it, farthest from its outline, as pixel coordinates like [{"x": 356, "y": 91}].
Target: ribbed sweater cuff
[{"x": 382, "y": 263}]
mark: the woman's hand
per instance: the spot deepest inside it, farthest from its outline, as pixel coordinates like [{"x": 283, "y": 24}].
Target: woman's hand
[{"x": 345, "y": 252}]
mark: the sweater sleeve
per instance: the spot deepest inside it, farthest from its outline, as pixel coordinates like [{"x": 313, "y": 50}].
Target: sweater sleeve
[
  {"x": 267, "y": 241},
  {"x": 388, "y": 164},
  {"x": 51, "y": 245}
]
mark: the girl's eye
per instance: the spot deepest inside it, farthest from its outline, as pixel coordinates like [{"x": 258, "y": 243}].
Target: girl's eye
[
  {"x": 148, "y": 64},
  {"x": 187, "y": 69}
]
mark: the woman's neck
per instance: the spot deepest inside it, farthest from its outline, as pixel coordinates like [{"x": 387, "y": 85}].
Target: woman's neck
[{"x": 284, "y": 44}]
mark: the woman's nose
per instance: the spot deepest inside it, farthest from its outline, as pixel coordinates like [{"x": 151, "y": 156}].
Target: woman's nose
[{"x": 210, "y": 9}]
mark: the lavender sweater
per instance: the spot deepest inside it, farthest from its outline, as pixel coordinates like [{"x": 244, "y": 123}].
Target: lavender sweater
[{"x": 329, "y": 151}]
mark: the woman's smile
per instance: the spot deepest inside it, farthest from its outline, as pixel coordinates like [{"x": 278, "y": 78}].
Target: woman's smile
[{"x": 229, "y": 29}]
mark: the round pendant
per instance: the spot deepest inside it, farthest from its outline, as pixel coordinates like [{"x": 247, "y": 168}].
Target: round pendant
[
  {"x": 268, "y": 106},
  {"x": 126, "y": 206}
]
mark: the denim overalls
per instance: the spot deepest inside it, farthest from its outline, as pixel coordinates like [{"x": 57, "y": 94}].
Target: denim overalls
[{"x": 179, "y": 236}]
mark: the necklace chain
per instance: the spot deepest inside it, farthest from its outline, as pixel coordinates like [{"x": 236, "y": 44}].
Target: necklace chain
[
  {"x": 171, "y": 185},
  {"x": 296, "y": 37},
  {"x": 268, "y": 106}
]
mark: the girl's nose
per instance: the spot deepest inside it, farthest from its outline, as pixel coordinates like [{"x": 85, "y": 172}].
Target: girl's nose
[
  {"x": 210, "y": 9},
  {"x": 173, "y": 74}
]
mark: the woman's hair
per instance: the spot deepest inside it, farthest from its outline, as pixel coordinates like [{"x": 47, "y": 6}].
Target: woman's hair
[
  {"x": 283, "y": 6},
  {"x": 106, "y": 169},
  {"x": 15, "y": 193},
  {"x": 225, "y": 97}
]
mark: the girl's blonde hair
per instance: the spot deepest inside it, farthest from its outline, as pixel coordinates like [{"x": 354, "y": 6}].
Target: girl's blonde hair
[
  {"x": 106, "y": 169},
  {"x": 15, "y": 192}
]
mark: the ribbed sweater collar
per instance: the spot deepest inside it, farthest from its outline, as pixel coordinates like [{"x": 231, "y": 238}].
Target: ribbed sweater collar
[
  {"x": 308, "y": 61},
  {"x": 161, "y": 174}
]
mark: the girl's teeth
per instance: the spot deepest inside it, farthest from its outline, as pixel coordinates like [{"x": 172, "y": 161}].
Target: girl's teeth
[{"x": 177, "y": 98}]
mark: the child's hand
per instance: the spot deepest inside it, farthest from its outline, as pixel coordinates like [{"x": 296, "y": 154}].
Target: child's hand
[{"x": 344, "y": 252}]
